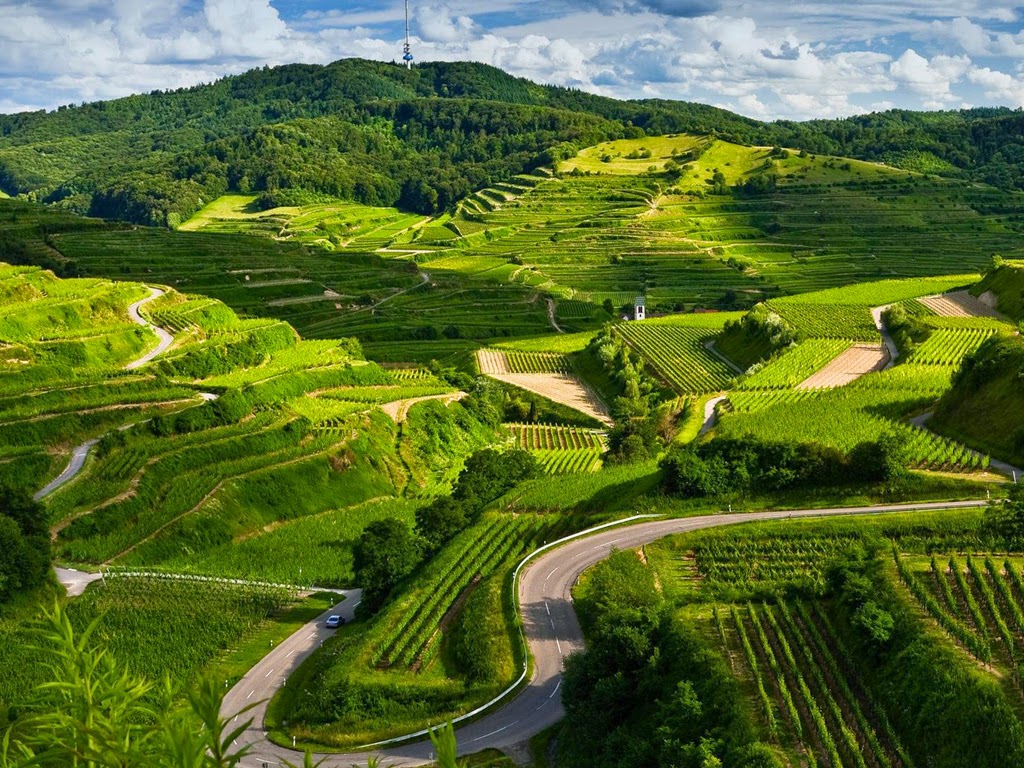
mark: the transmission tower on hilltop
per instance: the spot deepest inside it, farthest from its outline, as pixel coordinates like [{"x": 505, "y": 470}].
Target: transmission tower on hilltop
[{"x": 407, "y": 48}]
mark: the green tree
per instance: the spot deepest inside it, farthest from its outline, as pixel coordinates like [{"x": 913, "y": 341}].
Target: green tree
[
  {"x": 24, "y": 544},
  {"x": 440, "y": 520},
  {"x": 490, "y": 473},
  {"x": 387, "y": 552},
  {"x": 1004, "y": 520}
]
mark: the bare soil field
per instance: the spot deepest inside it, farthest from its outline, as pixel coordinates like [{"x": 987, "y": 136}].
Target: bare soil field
[
  {"x": 563, "y": 388},
  {"x": 958, "y": 304},
  {"x": 849, "y": 366}
]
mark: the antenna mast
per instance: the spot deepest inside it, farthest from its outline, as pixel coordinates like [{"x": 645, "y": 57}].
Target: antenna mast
[{"x": 407, "y": 48}]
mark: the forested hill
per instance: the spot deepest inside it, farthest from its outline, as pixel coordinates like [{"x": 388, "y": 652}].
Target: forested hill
[{"x": 420, "y": 139}]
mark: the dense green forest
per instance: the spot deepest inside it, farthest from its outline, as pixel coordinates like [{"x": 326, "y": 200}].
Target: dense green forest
[{"x": 420, "y": 139}]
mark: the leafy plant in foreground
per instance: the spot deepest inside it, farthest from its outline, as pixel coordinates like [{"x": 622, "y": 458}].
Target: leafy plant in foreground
[{"x": 95, "y": 713}]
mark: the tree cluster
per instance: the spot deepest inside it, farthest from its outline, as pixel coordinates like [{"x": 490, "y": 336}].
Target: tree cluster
[
  {"x": 24, "y": 544},
  {"x": 756, "y": 336},
  {"x": 639, "y": 420},
  {"x": 381, "y": 134},
  {"x": 648, "y": 692},
  {"x": 487, "y": 475},
  {"x": 389, "y": 550},
  {"x": 725, "y": 466},
  {"x": 906, "y": 329}
]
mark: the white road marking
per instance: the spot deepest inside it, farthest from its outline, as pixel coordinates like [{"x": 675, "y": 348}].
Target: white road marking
[
  {"x": 311, "y": 634},
  {"x": 251, "y": 693},
  {"x": 290, "y": 653},
  {"x": 550, "y": 697},
  {"x": 269, "y": 673},
  {"x": 559, "y": 646},
  {"x": 551, "y": 574},
  {"x": 492, "y": 733},
  {"x": 547, "y": 607}
]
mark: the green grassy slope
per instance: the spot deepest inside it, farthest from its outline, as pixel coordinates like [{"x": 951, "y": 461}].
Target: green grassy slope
[
  {"x": 334, "y": 268},
  {"x": 297, "y": 429},
  {"x": 773, "y": 403},
  {"x": 985, "y": 406},
  {"x": 1007, "y": 283}
]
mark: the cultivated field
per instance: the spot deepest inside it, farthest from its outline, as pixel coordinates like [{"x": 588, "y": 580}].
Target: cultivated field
[
  {"x": 564, "y": 388},
  {"x": 265, "y": 439},
  {"x": 958, "y": 304},
  {"x": 850, "y": 365},
  {"x": 561, "y": 449}
]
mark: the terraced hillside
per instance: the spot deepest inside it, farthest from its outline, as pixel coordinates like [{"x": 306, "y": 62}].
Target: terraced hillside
[
  {"x": 816, "y": 391},
  {"x": 593, "y": 232},
  {"x": 775, "y": 603},
  {"x": 197, "y": 447}
]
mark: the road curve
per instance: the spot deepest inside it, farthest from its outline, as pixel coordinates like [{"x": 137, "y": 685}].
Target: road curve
[
  {"x": 711, "y": 414},
  {"x": 165, "y": 339},
  {"x": 552, "y": 632},
  {"x": 74, "y": 466},
  {"x": 887, "y": 339}
]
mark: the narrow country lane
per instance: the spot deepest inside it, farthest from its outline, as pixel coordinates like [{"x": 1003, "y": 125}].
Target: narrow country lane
[
  {"x": 81, "y": 453},
  {"x": 552, "y": 632},
  {"x": 165, "y": 339},
  {"x": 711, "y": 414},
  {"x": 887, "y": 339},
  {"x": 78, "y": 457}
]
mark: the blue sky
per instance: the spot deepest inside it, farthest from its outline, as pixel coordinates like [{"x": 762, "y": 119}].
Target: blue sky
[{"x": 796, "y": 60}]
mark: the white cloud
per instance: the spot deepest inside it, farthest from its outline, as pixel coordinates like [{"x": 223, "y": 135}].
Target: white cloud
[
  {"x": 971, "y": 37},
  {"x": 999, "y": 86},
  {"x": 245, "y": 27},
  {"x": 437, "y": 24},
  {"x": 752, "y": 106},
  {"x": 931, "y": 79},
  {"x": 814, "y": 58}
]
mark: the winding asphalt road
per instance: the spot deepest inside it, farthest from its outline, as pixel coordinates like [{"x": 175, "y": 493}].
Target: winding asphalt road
[
  {"x": 81, "y": 453},
  {"x": 165, "y": 338},
  {"x": 78, "y": 457},
  {"x": 552, "y": 632}
]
